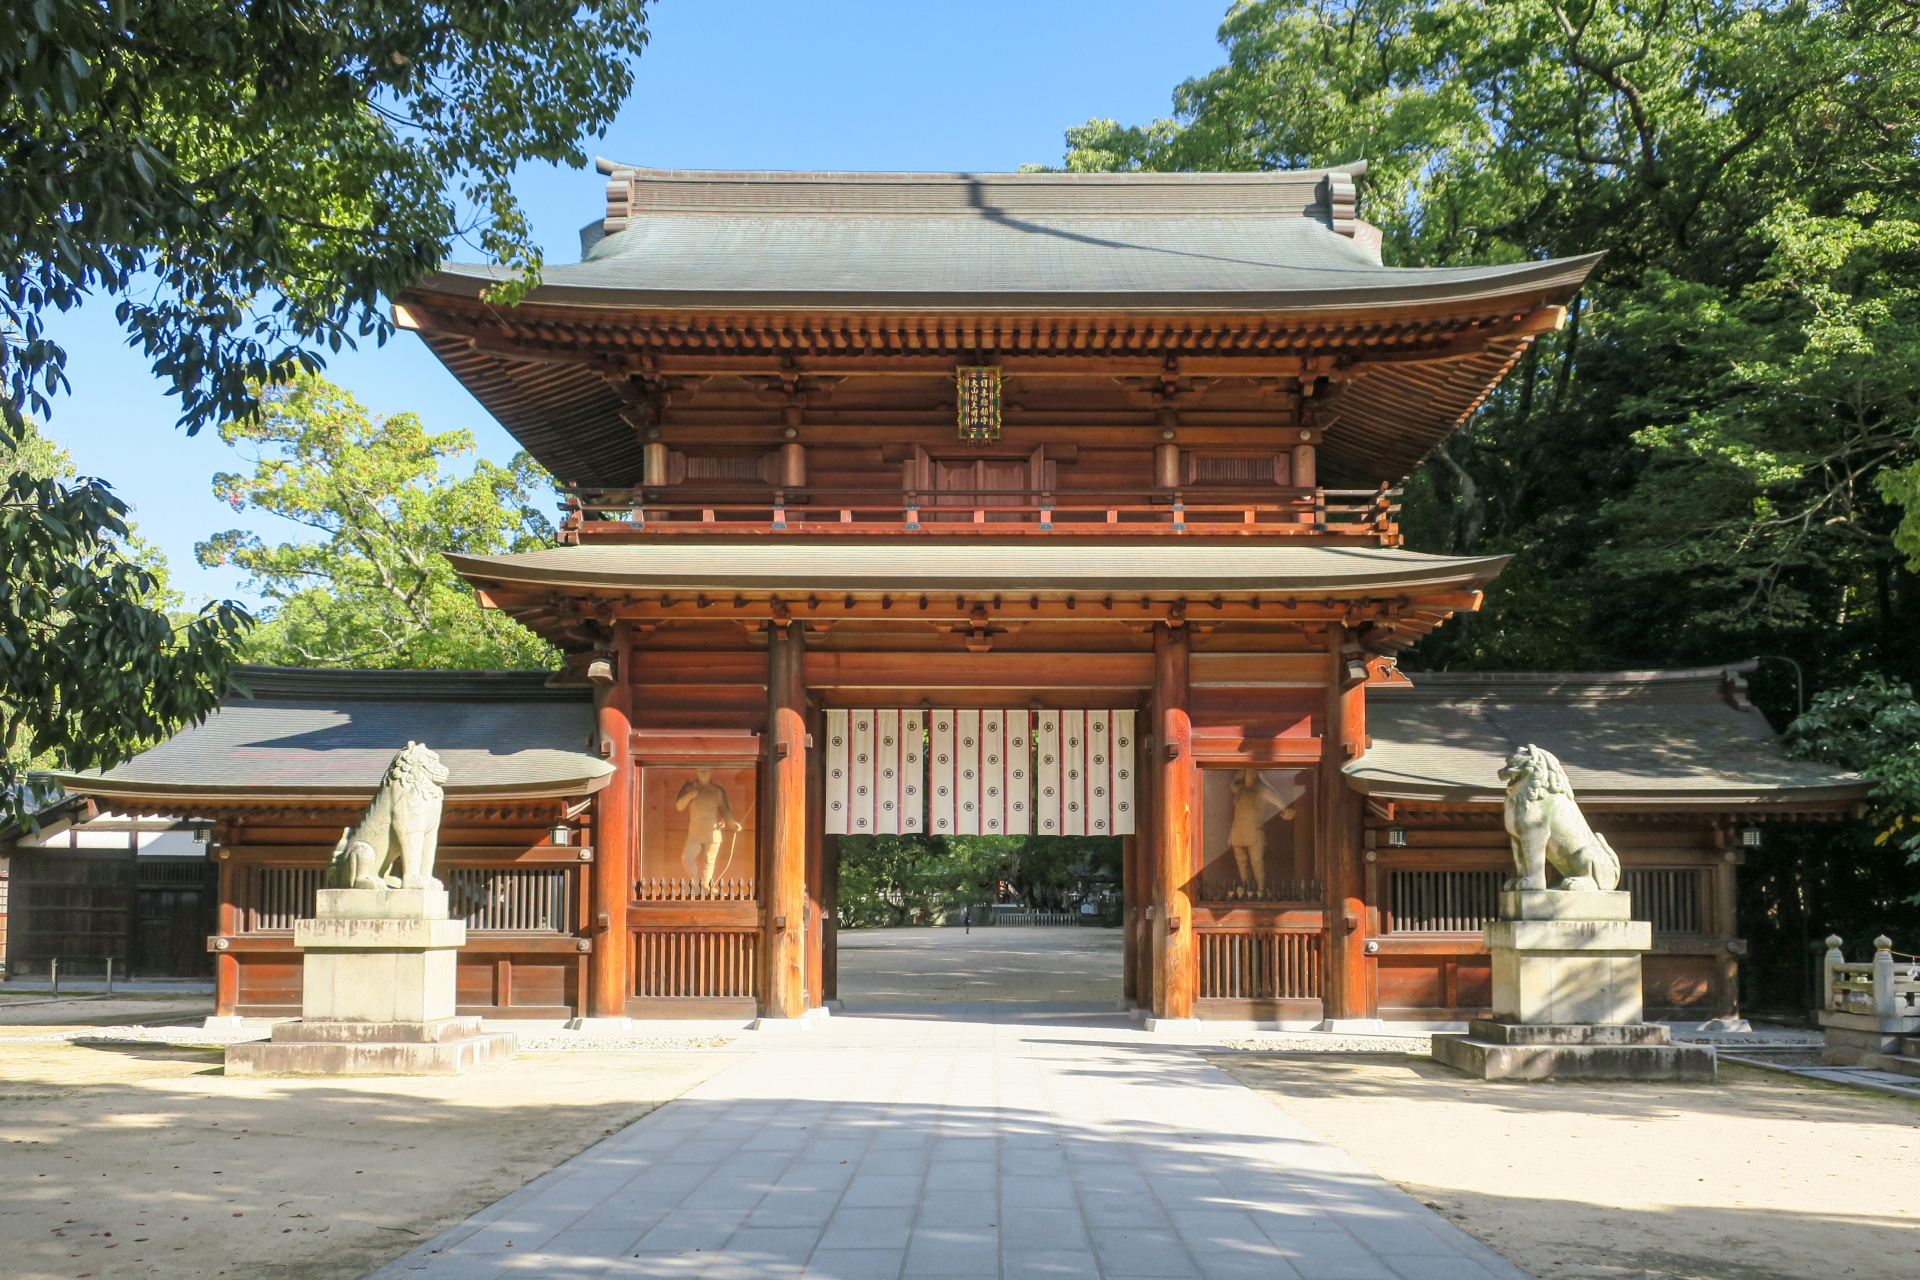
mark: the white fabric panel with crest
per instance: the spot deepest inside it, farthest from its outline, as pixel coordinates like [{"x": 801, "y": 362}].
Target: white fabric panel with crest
[
  {"x": 980, "y": 772},
  {"x": 940, "y": 774}
]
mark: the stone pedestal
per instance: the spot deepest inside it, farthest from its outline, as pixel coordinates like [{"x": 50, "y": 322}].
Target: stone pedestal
[
  {"x": 378, "y": 993},
  {"x": 1566, "y": 997},
  {"x": 1865, "y": 1039}
]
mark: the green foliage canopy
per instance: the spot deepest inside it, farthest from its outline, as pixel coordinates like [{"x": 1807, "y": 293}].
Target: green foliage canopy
[
  {"x": 1718, "y": 457},
  {"x": 249, "y": 180},
  {"x": 374, "y": 590},
  {"x": 92, "y": 668}
]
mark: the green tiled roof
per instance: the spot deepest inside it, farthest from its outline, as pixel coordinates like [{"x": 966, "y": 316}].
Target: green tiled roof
[
  {"x": 330, "y": 734},
  {"x": 1626, "y": 738},
  {"x": 1241, "y": 240}
]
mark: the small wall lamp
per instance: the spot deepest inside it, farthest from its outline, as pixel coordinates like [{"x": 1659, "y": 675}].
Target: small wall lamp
[
  {"x": 1396, "y": 837},
  {"x": 1750, "y": 837},
  {"x": 561, "y": 833}
]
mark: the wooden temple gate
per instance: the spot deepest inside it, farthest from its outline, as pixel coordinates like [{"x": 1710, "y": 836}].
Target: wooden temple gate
[{"x": 1040, "y": 452}]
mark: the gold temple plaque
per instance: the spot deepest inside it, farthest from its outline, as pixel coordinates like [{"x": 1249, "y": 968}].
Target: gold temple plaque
[{"x": 978, "y": 398}]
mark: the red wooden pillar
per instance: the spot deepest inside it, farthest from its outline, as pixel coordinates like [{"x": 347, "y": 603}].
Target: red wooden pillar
[
  {"x": 1348, "y": 993},
  {"x": 816, "y": 865},
  {"x": 610, "y": 975},
  {"x": 1172, "y": 930},
  {"x": 786, "y": 892},
  {"x": 226, "y": 965}
]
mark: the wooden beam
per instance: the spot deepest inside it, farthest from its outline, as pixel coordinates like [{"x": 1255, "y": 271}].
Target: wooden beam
[{"x": 916, "y": 671}]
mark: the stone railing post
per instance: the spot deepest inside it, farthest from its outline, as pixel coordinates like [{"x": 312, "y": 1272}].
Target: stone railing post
[
  {"x": 1828, "y": 1000},
  {"x": 1884, "y": 1000}
]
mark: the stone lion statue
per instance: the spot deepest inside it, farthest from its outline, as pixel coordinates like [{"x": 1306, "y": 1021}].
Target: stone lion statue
[
  {"x": 402, "y": 826},
  {"x": 1546, "y": 826}
]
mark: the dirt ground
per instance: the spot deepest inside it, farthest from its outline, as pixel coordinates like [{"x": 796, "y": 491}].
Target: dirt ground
[
  {"x": 1000, "y": 963},
  {"x": 121, "y": 1160},
  {"x": 41, "y": 1010},
  {"x": 1759, "y": 1177}
]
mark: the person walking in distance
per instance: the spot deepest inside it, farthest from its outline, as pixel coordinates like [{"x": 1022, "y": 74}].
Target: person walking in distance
[{"x": 967, "y": 920}]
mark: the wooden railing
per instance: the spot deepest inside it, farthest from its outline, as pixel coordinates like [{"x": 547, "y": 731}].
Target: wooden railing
[
  {"x": 1298, "y": 891},
  {"x": 696, "y": 964},
  {"x": 1259, "y": 965},
  {"x": 487, "y": 899},
  {"x": 691, "y": 890},
  {"x": 601, "y": 515}
]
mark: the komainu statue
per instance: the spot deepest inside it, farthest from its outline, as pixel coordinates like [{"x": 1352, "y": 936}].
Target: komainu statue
[
  {"x": 401, "y": 826},
  {"x": 1546, "y": 826}
]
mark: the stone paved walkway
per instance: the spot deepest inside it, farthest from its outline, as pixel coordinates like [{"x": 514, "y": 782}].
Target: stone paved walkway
[{"x": 985, "y": 1140}]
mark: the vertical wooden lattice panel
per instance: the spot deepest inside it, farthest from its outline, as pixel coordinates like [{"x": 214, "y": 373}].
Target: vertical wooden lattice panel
[
  {"x": 1442, "y": 901},
  {"x": 1669, "y": 898},
  {"x": 1259, "y": 966},
  {"x": 696, "y": 964}
]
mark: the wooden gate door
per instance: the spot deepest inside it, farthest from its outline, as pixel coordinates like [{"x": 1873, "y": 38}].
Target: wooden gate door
[{"x": 173, "y": 914}]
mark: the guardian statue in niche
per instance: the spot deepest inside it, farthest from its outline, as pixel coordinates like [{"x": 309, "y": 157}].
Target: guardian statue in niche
[
  {"x": 401, "y": 826},
  {"x": 1547, "y": 827},
  {"x": 709, "y": 819},
  {"x": 1253, "y": 795}
]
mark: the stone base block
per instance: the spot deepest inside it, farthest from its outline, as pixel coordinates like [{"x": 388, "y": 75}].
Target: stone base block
[
  {"x": 439, "y": 1031},
  {"x": 1566, "y": 904},
  {"x": 378, "y": 986},
  {"x": 380, "y": 904},
  {"x": 1507, "y": 1031},
  {"x": 1862, "y": 1039},
  {"x": 1497, "y": 1049},
  {"x": 443, "y": 1047},
  {"x": 1568, "y": 971}
]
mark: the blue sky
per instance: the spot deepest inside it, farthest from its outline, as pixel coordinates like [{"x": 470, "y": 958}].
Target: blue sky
[{"x": 725, "y": 84}]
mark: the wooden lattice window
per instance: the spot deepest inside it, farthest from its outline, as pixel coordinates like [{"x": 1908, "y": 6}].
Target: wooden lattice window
[
  {"x": 1442, "y": 901},
  {"x": 1259, "y": 965},
  {"x": 1668, "y": 897}
]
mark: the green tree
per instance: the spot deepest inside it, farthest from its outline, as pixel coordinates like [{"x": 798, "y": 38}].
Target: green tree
[
  {"x": 1688, "y": 471},
  {"x": 250, "y": 180},
  {"x": 92, "y": 667},
  {"x": 374, "y": 590},
  {"x": 1717, "y": 456},
  {"x": 247, "y": 181}
]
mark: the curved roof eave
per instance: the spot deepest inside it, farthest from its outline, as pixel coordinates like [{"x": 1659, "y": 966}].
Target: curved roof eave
[
  {"x": 1384, "y": 288},
  {"x": 90, "y": 784},
  {"x": 1059, "y": 568}
]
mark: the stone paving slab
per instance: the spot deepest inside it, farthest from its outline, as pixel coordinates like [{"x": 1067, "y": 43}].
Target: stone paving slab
[{"x": 981, "y": 1142}]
